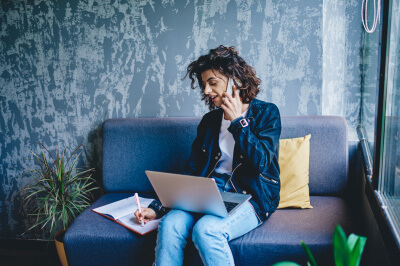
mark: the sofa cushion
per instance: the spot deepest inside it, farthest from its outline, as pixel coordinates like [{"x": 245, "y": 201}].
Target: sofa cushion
[
  {"x": 294, "y": 162},
  {"x": 131, "y": 146},
  {"x": 95, "y": 240},
  {"x": 328, "y": 151},
  {"x": 278, "y": 239}
]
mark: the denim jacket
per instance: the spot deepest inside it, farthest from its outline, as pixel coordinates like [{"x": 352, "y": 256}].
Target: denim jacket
[{"x": 255, "y": 157}]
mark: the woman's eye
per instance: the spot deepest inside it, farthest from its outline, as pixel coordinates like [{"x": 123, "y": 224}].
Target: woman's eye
[{"x": 212, "y": 84}]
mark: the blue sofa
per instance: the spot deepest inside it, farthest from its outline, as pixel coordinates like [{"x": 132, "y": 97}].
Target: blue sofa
[{"x": 131, "y": 146}]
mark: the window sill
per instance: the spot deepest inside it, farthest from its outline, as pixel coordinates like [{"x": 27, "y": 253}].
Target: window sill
[{"x": 383, "y": 215}]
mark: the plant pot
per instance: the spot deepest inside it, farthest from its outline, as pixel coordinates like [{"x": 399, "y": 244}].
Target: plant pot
[{"x": 59, "y": 239}]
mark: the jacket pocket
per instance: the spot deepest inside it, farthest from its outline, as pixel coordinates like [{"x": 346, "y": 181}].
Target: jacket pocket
[
  {"x": 271, "y": 188},
  {"x": 269, "y": 179}
]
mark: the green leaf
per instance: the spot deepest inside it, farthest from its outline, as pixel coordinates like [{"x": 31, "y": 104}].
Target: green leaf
[
  {"x": 74, "y": 153},
  {"x": 351, "y": 241},
  {"x": 309, "y": 254},
  {"x": 340, "y": 248},
  {"x": 357, "y": 250},
  {"x": 286, "y": 263}
]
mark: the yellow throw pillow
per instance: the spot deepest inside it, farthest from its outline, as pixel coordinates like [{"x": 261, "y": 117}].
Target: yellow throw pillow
[{"x": 294, "y": 159}]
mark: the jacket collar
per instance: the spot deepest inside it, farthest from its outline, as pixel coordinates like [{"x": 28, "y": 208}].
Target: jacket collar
[
  {"x": 218, "y": 119},
  {"x": 252, "y": 105}
]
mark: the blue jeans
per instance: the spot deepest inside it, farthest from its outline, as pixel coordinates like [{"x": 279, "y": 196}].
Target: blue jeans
[{"x": 210, "y": 235}]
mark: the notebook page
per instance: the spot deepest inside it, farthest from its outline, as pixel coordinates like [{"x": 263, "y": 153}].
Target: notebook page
[{"x": 122, "y": 207}]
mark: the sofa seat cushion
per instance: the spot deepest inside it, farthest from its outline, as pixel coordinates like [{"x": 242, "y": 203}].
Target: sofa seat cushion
[
  {"x": 278, "y": 239},
  {"x": 95, "y": 240}
]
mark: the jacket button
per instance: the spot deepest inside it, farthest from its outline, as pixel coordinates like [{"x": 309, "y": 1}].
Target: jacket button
[
  {"x": 216, "y": 157},
  {"x": 267, "y": 214},
  {"x": 244, "y": 192},
  {"x": 241, "y": 156},
  {"x": 219, "y": 153},
  {"x": 204, "y": 150}
]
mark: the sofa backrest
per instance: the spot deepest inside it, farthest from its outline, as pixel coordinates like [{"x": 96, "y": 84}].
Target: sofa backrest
[
  {"x": 328, "y": 150},
  {"x": 133, "y": 145}
]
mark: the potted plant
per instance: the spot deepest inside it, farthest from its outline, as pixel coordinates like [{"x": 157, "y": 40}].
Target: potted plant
[
  {"x": 346, "y": 252},
  {"x": 59, "y": 191}
]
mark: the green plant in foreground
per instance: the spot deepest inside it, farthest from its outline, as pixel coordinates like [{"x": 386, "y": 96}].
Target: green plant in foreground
[
  {"x": 60, "y": 190},
  {"x": 346, "y": 252}
]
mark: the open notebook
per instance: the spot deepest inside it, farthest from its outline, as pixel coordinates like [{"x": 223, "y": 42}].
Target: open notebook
[{"x": 122, "y": 212}]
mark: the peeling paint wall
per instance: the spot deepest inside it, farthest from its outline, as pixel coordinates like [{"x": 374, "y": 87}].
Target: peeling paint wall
[
  {"x": 342, "y": 61},
  {"x": 66, "y": 66}
]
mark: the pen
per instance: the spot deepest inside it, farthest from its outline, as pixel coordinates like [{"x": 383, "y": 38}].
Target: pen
[{"x": 138, "y": 205}]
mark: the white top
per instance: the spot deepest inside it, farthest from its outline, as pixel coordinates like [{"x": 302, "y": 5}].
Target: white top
[{"x": 226, "y": 145}]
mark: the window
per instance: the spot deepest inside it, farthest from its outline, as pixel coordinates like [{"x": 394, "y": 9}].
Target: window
[{"x": 388, "y": 190}]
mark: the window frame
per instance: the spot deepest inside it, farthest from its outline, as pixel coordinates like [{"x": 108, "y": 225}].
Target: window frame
[{"x": 377, "y": 202}]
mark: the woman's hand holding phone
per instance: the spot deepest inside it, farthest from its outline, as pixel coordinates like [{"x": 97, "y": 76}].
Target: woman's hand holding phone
[{"x": 232, "y": 103}]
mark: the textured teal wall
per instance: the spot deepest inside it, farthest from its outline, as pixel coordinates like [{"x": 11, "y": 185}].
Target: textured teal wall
[{"x": 66, "y": 66}]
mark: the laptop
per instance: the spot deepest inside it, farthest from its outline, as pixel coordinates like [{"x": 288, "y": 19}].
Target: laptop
[{"x": 194, "y": 194}]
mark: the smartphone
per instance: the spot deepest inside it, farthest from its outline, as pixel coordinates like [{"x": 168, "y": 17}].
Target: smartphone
[
  {"x": 230, "y": 84},
  {"x": 229, "y": 88}
]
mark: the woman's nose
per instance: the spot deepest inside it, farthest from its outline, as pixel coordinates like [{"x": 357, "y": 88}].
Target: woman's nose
[{"x": 207, "y": 89}]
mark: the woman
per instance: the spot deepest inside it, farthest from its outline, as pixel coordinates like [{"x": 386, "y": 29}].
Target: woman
[{"x": 237, "y": 145}]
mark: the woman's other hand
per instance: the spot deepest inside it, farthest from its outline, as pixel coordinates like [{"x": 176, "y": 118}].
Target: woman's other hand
[
  {"x": 233, "y": 106},
  {"x": 146, "y": 215}
]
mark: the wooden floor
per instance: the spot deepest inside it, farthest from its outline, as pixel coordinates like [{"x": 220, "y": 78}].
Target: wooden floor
[{"x": 28, "y": 252}]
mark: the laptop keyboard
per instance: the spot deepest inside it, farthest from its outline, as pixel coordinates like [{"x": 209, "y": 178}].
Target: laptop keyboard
[{"x": 230, "y": 205}]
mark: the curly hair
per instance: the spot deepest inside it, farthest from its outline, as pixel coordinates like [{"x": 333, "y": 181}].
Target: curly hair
[{"x": 227, "y": 61}]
